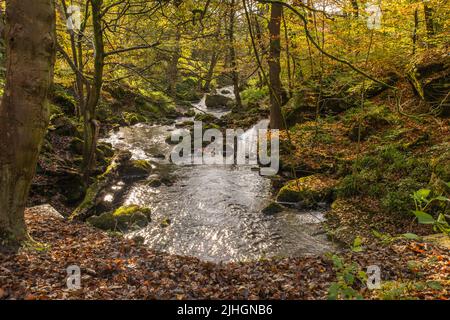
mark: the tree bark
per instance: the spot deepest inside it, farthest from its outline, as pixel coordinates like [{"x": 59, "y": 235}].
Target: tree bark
[
  {"x": 31, "y": 45},
  {"x": 91, "y": 125},
  {"x": 276, "y": 120},
  {"x": 172, "y": 71},
  {"x": 416, "y": 28},
  {"x": 429, "y": 22},
  {"x": 234, "y": 73},
  {"x": 212, "y": 65},
  {"x": 355, "y": 7}
]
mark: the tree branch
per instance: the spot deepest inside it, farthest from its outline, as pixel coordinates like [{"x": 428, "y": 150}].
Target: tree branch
[
  {"x": 313, "y": 41},
  {"x": 147, "y": 46}
]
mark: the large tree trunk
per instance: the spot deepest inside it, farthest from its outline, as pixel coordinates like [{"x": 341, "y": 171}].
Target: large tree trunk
[
  {"x": 234, "y": 74},
  {"x": 31, "y": 45},
  {"x": 276, "y": 120},
  {"x": 91, "y": 125}
]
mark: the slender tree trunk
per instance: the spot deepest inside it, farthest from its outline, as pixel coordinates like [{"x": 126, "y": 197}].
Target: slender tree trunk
[
  {"x": 76, "y": 62},
  {"x": 416, "y": 28},
  {"x": 2, "y": 27},
  {"x": 276, "y": 120},
  {"x": 91, "y": 125},
  {"x": 355, "y": 7},
  {"x": 212, "y": 65},
  {"x": 234, "y": 74},
  {"x": 173, "y": 66},
  {"x": 429, "y": 22},
  {"x": 31, "y": 45},
  {"x": 288, "y": 56}
]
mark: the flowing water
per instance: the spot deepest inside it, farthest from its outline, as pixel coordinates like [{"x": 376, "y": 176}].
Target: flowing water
[{"x": 214, "y": 210}]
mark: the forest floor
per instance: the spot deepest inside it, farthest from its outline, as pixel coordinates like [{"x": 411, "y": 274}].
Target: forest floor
[{"x": 118, "y": 268}]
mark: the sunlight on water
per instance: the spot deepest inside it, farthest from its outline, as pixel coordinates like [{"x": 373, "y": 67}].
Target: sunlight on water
[{"x": 214, "y": 210}]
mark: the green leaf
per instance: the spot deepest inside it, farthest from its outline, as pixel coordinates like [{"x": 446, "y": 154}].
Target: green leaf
[
  {"x": 357, "y": 242},
  {"x": 411, "y": 236},
  {"x": 424, "y": 218},
  {"x": 434, "y": 285},
  {"x": 333, "y": 291},
  {"x": 423, "y": 193},
  {"x": 357, "y": 245},
  {"x": 441, "y": 198}
]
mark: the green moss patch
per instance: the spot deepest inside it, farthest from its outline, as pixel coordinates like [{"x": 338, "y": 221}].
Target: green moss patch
[
  {"x": 308, "y": 190},
  {"x": 123, "y": 219}
]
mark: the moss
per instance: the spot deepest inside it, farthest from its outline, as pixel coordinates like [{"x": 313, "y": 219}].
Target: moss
[
  {"x": 54, "y": 110},
  {"x": 391, "y": 175},
  {"x": 64, "y": 99},
  {"x": 122, "y": 219},
  {"x": 253, "y": 95},
  {"x": 130, "y": 210},
  {"x": 165, "y": 223},
  {"x": 142, "y": 164},
  {"x": 205, "y": 117},
  {"x": 88, "y": 200},
  {"x": 397, "y": 197},
  {"x": 441, "y": 162},
  {"x": 132, "y": 118},
  {"x": 187, "y": 89},
  {"x": 138, "y": 168},
  {"x": 309, "y": 190},
  {"x": 272, "y": 208},
  {"x": 76, "y": 146}
]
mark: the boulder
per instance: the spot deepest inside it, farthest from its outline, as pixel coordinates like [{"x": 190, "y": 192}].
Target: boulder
[
  {"x": 137, "y": 169},
  {"x": 76, "y": 146},
  {"x": 94, "y": 201},
  {"x": 63, "y": 126},
  {"x": 272, "y": 208},
  {"x": 309, "y": 191},
  {"x": 122, "y": 219},
  {"x": 217, "y": 101}
]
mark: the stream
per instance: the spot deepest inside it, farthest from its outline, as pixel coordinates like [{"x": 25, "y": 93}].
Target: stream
[{"x": 213, "y": 212}]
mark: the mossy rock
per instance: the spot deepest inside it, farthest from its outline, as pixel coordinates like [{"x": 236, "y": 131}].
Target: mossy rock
[
  {"x": 441, "y": 163},
  {"x": 138, "y": 168},
  {"x": 214, "y": 101},
  {"x": 165, "y": 223},
  {"x": 61, "y": 97},
  {"x": 205, "y": 117},
  {"x": 122, "y": 219},
  {"x": 308, "y": 190},
  {"x": 440, "y": 239},
  {"x": 63, "y": 125},
  {"x": 273, "y": 208},
  {"x": 154, "y": 182},
  {"x": 106, "y": 148},
  {"x": 76, "y": 146},
  {"x": 132, "y": 118},
  {"x": 190, "y": 113}
]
